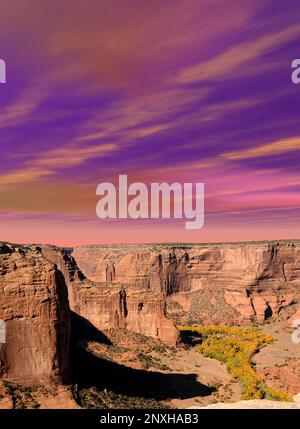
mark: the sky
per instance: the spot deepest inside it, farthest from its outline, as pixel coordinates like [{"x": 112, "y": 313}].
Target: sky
[{"x": 185, "y": 91}]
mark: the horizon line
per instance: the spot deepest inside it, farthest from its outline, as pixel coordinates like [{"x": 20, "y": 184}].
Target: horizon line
[{"x": 163, "y": 243}]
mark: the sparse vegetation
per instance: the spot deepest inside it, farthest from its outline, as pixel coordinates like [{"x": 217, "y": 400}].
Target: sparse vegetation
[
  {"x": 121, "y": 371},
  {"x": 149, "y": 361},
  {"x": 95, "y": 398},
  {"x": 206, "y": 304},
  {"x": 21, "y": 396},
  {"x": 236, "y": 347}
]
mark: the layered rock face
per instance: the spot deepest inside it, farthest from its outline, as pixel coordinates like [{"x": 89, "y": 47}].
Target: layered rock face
[
  {"x": 113, "y": 304},
  {"x": 67, "y": 265},
  {"x": 116, "y": 306},
  {"x": 215, "y": 283},
  {"x": 35, "y": 318}
]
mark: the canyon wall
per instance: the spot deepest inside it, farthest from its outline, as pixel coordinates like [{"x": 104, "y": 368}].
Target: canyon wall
[
  {"x": 234, "y": 283},
  {"x": 35, "y": 318},
  {"x": 113, "y": 304},
  {"x": 124, "y": 306}
]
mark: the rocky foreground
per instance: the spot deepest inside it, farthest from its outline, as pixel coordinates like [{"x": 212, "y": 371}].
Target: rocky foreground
[
  {"x": 49, "y": 294},
  {"x": 254, "y": 404}
]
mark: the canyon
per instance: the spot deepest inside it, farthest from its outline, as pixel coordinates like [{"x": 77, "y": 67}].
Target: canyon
[
  {"x": 146, "y": 289},
  {"x": 246, "y": 283}
]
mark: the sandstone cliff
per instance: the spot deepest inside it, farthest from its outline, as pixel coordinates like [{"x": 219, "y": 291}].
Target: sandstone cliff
[
  {"x": 116, "y": 306},
  {"x": 35, "y": 318},
  {"x": 111, "y": 304},
  {"x": 215, "y": 283}
]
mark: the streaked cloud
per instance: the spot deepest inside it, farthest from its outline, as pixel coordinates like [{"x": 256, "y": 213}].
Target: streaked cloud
[
  {"x": 232, "y": 61},
  {"x": 269, "y": 149},
  {"x": 23, "y": 106},
  {"x": 49, "y": 162}
]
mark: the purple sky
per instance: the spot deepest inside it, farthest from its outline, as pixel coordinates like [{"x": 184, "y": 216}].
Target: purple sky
[{"x": 162, "y": 91}]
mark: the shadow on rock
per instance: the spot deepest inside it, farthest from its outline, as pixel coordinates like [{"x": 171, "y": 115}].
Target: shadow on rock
[
  {"x": 90, "y": 370},
  {"x": 83, "y": 331}
]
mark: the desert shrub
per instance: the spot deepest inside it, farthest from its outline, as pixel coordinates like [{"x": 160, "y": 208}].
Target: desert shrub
[
  {"x": 21, "y": 396},
  {"x": 95, "y": 398},
  {"x": 275, "y": 395}
]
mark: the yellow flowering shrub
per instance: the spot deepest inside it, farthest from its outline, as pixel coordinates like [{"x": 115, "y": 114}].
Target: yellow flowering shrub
[{"x": 236, "y": 346}]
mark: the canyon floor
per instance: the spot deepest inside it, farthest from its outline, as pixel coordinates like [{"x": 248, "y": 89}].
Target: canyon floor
[
  {"x": 122, "y": 369},
  {"x": 172, "y": 377},
  {"x": 278, "y": 363}
]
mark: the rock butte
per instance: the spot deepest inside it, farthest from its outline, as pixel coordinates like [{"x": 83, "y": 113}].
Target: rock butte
[{"x": 138, "y": 287}]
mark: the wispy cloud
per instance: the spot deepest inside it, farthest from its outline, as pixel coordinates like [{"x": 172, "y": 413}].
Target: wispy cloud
[
  {"x": 231, "y": 62},
  {"x": 273, "y": 148},
  {"x": 49, "y": 162},
  {"x": 21, "y": 109}
]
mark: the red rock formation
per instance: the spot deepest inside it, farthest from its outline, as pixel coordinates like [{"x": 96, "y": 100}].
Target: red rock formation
[
  {"x": 68, "y": 267},
  {"x": 35, "y": 313},
  {"x": 111, "y": 304},
  {"x": 115, "y": 306},
  {"x": 247, "y": 282}
]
